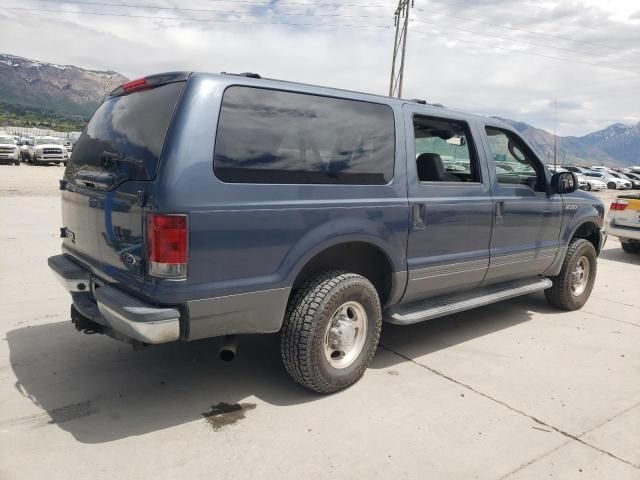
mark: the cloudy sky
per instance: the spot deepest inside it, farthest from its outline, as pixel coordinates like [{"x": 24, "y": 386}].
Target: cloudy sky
[{"x": 497, "y": 57}]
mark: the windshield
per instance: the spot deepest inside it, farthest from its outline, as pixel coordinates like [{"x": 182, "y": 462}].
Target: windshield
[
  {"x": 6, "y": 141},
  {"x": 44, "y": 140},
  {"x": 125, "y": 136}
]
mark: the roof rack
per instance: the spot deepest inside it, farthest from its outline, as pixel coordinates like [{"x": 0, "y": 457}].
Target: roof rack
[{"x": 243, "y": 74}]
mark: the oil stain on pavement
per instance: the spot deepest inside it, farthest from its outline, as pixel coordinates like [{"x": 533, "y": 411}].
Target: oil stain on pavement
[{"x": 224, "y": 414}]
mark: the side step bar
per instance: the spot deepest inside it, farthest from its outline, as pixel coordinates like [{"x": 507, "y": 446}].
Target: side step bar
[{"x": 459, "y": 302}]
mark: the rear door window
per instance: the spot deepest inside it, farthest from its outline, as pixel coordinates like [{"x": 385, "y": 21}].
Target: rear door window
[
  {"x": 271, "y": 136},
  {"x": 125, "y": 136}
]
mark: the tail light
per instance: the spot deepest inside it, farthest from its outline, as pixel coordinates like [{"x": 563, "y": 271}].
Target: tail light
[
  {"x": 619, "y": 205},
  {"x": 167, "y": 245},
  {"x": 137, "y": 84}
]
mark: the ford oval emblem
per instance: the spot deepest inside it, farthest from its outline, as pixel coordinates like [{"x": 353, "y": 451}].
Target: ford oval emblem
[{"x": 128, "y": 259}]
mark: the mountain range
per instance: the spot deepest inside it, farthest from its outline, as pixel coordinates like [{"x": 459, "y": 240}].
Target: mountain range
[
  {"x": 69, "y": 91},
  {"x": 615, "y": 145},
  {"x": 51, "y": 88}
]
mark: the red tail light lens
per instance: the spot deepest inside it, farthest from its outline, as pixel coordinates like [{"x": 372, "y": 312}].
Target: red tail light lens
[
  {"x": 619, "y": 205},
  {"x": 134, "y": 85},
  {"x": 167, "y": 245}
]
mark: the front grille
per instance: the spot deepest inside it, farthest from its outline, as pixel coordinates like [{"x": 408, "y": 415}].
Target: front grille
[
  {"x": 6, "y": 150},
  {"x": 52, "y": 151}
]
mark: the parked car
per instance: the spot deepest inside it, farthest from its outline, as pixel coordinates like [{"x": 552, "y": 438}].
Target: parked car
[
  {"x": 635, "y": 183},
  {"x": 613, "y": 183},
  {"x": 590, "y": 183},
  {"x": 556, "y": 168},
  {"x": 9, "y": 151},
  {"x": 624, "y": 222},
  {"x": 600, "y": 168},
  {"x": 575, "y": 169},
  {"x": 43, "y": 150},
  {"x": 219, "y": 205}
]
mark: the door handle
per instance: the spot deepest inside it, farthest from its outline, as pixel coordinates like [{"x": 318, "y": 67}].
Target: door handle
[
  {"x": 418, "y": 215},
  {"x": 499, "y": 211}
]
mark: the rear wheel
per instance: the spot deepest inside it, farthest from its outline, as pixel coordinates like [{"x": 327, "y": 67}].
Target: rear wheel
[
  {"x": 630, "y": 247},
  {"x": 330, "y": 331},
  {"x": 572, "y": 287}
]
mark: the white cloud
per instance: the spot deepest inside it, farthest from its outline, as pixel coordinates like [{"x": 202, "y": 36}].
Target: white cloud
[{"x": 462, "y": 70}]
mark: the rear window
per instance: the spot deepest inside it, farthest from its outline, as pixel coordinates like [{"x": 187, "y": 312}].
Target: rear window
[
  {"x": 124, "y": 138},
  {"x": 271, "y": 136}
]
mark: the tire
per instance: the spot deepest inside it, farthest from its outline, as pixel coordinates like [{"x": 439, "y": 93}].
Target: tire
[
  {"x": 629, "y": 247},
  {"x": 305, "y": 338},
  {"x": 561, "y": 294},
  {"x": 612, "y": 186},
  {"x": 588, "y": 187}
]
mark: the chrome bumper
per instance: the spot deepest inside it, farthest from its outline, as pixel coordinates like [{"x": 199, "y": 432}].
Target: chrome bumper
[{"x": 116, "y": 310}]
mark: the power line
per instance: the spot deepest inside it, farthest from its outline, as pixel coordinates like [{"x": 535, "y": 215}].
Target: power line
[
  {"x": 154, "y": 7},
  {"x": 582, "y": 52},
  {"x": 191, "y": 19},
  {"x": 486, "y": 45},
  {"x": 518, "y": 29},
  {"x": 210, "y": 10}
]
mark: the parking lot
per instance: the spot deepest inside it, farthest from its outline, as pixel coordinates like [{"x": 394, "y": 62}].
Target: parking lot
[{"x": 515, "y": 390}]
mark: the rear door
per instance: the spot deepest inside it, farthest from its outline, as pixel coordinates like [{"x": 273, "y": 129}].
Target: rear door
[
  {"x": 450, "y": 201},
  {"x": 527, "y": 223},
  {"x": 106, "y": 178}
]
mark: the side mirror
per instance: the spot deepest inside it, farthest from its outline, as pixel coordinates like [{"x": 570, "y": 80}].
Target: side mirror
[{"x": 564, "y": 182}]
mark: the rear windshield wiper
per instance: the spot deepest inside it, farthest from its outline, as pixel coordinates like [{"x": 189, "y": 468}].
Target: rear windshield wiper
[{"x": 99, "y": 179}]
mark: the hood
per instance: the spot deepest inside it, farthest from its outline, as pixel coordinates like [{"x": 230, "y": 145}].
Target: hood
[{"x": 50, "y": 145}]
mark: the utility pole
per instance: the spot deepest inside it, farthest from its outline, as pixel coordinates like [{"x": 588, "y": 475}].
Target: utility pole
[
  {"x": 555, "y": 132},
  {"x": 401, "y": 20}
]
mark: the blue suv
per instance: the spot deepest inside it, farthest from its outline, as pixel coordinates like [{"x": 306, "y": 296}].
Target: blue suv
[{"x": 200, "y": 205}]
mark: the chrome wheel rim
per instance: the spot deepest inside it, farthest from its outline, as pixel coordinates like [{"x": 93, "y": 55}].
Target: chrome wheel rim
[
  {"x": 580, "y": 276},
  {"x": 346, "y": 334}
]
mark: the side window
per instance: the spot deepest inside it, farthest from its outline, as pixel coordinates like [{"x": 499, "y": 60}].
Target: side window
[
  {"x": 444, "y": 150},
  {"x": 272, "y": 136},
  {"x": 513, "y": 162}
]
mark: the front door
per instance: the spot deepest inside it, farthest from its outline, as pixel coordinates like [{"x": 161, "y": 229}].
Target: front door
[
  {"x": 451, "y": 207},
  {"x": 527, "y": 221}
]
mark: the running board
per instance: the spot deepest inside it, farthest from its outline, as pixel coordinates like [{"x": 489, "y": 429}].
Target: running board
[{"x": 459, "y": 302}]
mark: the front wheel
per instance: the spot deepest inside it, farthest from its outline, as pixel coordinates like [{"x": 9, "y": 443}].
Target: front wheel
[
  {"x": 612, "y": 186},
  {"x": 588, "y": 187},
  {"x": 572, "y": 287},
  {"x": 331, "y": 331}
]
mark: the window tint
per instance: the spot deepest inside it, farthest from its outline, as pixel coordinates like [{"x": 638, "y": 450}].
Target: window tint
[
  {"x": 444, "y": 151},
  {"x": 270, "y": 136},
  {"x": 126, "y": 134},
  {"x": 512, "y": 161}
]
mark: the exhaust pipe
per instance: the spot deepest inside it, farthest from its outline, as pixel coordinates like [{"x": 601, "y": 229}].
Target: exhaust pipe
[{"x": 228, "y": 348}]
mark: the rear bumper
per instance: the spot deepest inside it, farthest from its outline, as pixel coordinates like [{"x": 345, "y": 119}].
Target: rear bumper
[
  {"x": 116, "y": 310},
  {"x": 630, "y": 233}
]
